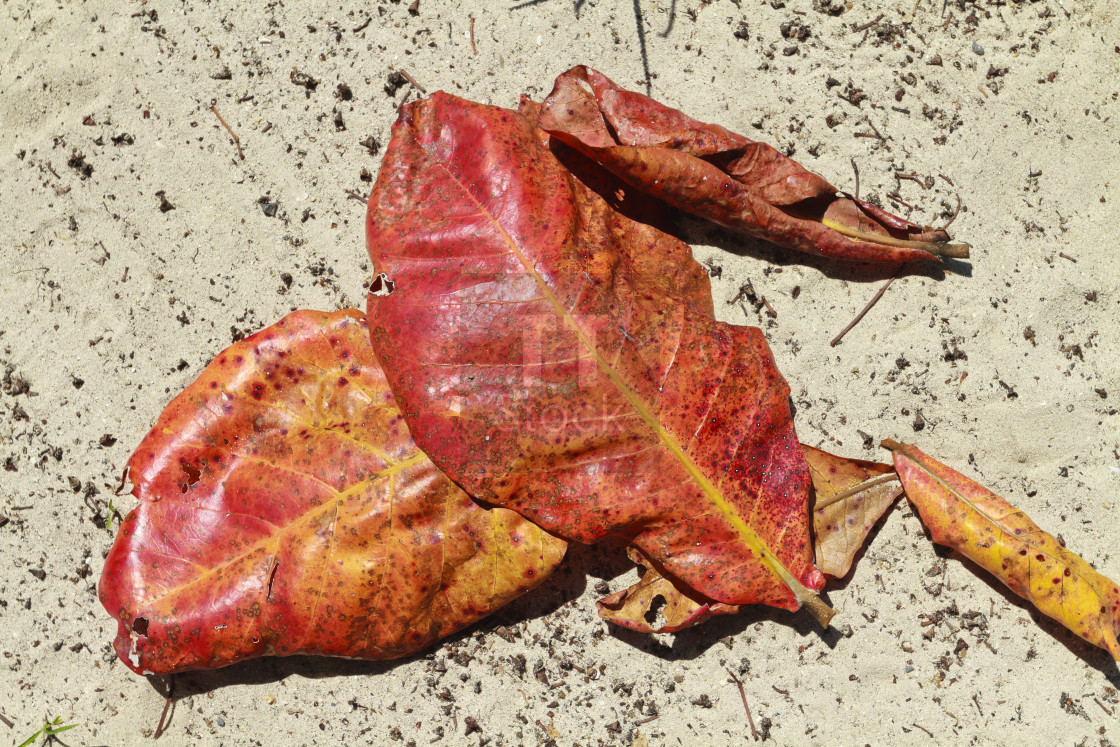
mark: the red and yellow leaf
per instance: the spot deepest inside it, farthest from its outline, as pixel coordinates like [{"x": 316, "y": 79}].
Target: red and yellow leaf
[
  {"x": 548, "y": 355},
  {"x": 840, "y": 526},
  {"x": 658, "y": 596},
  {"x": 284, "y": 509},
  {"x": 716, "y": 174},
  {"x": 988, "y": 530}
]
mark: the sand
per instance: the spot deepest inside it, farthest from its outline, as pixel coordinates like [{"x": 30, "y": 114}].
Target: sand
[{"x": 135, "y": 244}]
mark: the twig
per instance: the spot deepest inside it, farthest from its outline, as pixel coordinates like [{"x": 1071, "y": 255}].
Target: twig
[
  {"x": 955, "y": 212},
  {"x": 1102, "y": 705},
  {"x": 8, "y": 723},
  {"x": 874, "y": 134},
  {"x": 877, "y": 133},
  {"x": 232, "y": 134},
  {"x": 927, "y": 731},
  {"x": 837, "y": 497},
  {"x": 947, "y": 179},
  {"x": 976, "y": 700},
  {"x": 647, "y": 719},
  {"x": 412, "y": 80},
  {"x": 166, "y": 705},
  {"x": 895, "y": 196},
  {"x": 355, "y": 196},
  {"x": 743, "y": 695},
  {"x": 856, "y": 169},
  {"x": 860, "y": 315},
  {"x": 473, "y": 47},
  {"x": 869, "y": 24},
  {"x": 1063, "y": 255},
  {"x": 770, "y": 309},
  {"x": 943, "y": 27},
  {"x": 910, "y": 177}
]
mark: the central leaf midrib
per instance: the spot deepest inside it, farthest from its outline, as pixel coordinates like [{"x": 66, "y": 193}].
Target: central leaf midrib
[
  {"x": 749, "y": 536},
  {"x": 304, "y": 518}
]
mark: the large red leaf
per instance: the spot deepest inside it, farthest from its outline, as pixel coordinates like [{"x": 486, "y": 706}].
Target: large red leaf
[
  {"x": 545, "y": 358},
  {"x": 285, "y": 510},
  {"x": 739, "y": 183}
]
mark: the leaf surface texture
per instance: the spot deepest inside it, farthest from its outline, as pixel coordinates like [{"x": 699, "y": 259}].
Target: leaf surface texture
[
  {"x": 284, "y": 509},
  {"x": 549, "y": 355},
  {"x": 840, "y": 528}
]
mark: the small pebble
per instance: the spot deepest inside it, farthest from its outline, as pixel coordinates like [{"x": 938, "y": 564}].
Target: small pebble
[
  {"x": 221, "y": 721},
  {"x": 977, "y": 48},
  {"x": 269, "y": 208},
  {"x": 909, "y": 669}
]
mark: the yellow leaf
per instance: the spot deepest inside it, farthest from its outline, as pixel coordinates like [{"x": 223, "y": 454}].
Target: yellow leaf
[{"x": 988, "y": 530}]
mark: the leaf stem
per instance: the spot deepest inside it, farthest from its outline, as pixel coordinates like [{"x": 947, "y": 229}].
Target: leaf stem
[
  {"x": 820, "y": 611},
  {"x": 935, "y": 248},
  {"x": 837, "y": 497}
]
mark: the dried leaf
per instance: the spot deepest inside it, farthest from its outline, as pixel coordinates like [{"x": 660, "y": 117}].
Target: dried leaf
[
  {"x": 986, "y": 529},
  {"x": 285, "y": 510},
  {"x": 544, "y": 354},
  {"x": 716, "y": 174},
  {"x": 656, "y": 595},
  {"x": 840, "y": 527}
]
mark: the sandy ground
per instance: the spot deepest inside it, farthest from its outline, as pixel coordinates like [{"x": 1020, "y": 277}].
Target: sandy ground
[{"x": 135, "y": 244}]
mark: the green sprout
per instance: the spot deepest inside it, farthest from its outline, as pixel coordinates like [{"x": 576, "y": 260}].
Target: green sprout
[
  {"x": 109, "y": 521},
  {"x": 48, "y": 730}
]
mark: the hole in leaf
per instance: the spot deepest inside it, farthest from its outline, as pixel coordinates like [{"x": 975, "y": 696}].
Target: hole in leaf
[
  {"x": 140, "y": 626},
  {"x": 193, "y": 475},
  {"x": 653, "y": 614},
  {"x": 382, "y": 286}
]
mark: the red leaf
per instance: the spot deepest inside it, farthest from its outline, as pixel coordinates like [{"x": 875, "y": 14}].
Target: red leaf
[
  {"x": 285, "y": 510},
  {"x": 547, "y": 359},
  {"x": 714, "y": 173}
]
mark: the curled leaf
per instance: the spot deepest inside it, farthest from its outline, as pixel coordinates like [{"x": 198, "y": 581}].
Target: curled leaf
[
  {"x": 988, "y": 530},
  {"x": 548, "y": 354},
  {"x": 840, "y": 527},
  {"x": 284, "y": 509},
  {"x": 655, "y": 596},
  {"x": 724, "y": 177}
]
